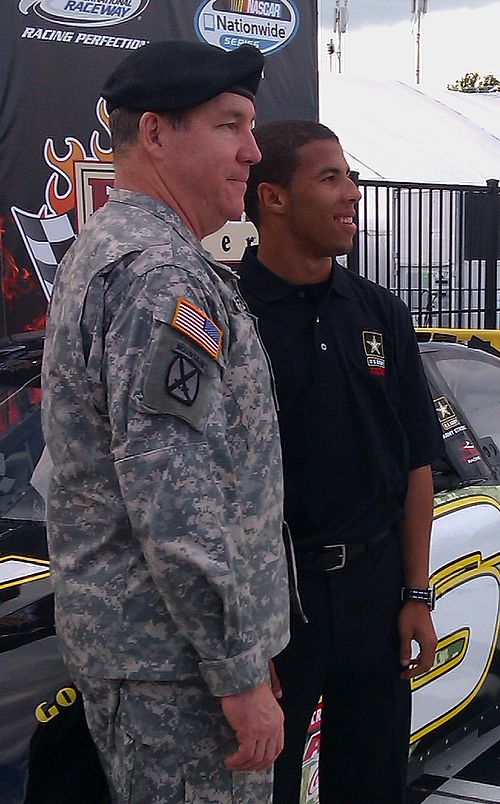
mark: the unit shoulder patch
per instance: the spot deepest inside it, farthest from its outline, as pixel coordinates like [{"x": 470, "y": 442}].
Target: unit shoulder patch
[
  {"x": 183, "y": 380},
  {"x": 179, "y": 378},
  {"x": 196, "y": 324}
]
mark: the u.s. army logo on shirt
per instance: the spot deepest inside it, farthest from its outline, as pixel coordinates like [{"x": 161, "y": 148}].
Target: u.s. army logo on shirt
[
  {"x": 373, "y": 344},
  {"x": 183, "y": 380}
]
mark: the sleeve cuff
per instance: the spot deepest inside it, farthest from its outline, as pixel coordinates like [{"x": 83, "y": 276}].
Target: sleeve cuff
[
  {"x": 236, "y": 673},
  {"x": 416, "y": 460}
]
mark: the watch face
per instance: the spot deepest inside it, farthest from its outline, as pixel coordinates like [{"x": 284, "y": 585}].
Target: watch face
[{"x": 424, "y": 595}]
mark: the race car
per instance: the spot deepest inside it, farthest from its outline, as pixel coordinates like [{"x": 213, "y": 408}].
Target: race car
[
  {"x": 460, "y": 692},
  {"x": 46, "y": 754}
]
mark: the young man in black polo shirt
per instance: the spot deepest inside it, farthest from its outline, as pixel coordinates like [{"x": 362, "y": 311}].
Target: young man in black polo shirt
[{"x": 358, "y": 432}]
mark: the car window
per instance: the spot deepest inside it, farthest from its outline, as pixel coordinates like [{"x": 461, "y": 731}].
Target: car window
[{"x": 475, "y": 382}]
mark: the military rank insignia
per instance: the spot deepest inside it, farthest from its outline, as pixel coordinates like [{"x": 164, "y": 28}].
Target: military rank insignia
[{"x": 194, "y": 323}]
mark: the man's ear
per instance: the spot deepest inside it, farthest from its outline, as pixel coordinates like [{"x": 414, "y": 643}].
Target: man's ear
[
  {"x": 272, "y": 198},
  {"x": 152, "y": 131}
]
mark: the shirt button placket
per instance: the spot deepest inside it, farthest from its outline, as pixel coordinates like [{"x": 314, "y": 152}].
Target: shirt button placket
[{"x": 321, "y": 345}]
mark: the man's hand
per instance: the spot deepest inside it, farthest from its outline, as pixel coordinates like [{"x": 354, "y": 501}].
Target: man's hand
[
  {"x": 415, "y": 622},
  {"x": 257, "y": 719}
]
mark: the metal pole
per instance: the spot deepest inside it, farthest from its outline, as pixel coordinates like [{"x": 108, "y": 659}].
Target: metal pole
[
  {"x": 419, "y": 8},
  {"x": 492, "y": 254},
  {"x": 339, "y": 28},
  {"x": 419, "y": 17}
]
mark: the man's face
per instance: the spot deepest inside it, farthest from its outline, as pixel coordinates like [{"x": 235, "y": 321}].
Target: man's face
[
  {"x": 213, "y": 151},
  {"x": 321, "y": 200}
]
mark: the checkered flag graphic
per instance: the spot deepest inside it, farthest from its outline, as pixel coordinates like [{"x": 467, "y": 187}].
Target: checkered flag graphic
[{"x": 47, "y": 241}]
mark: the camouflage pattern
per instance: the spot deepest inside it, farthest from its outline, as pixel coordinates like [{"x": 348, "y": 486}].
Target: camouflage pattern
[
  {"x": 466, "y": 491},
  {"x": 164, "y": 513},
  {"x": 167, "y": 742}
]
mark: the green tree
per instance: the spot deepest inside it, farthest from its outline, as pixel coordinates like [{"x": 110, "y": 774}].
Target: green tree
[
  {"x": 490, "y": 81},
  {"x": 472, "y": 82}
]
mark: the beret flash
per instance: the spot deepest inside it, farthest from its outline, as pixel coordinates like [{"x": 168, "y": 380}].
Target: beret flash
[{"x": 165, "y": 76}]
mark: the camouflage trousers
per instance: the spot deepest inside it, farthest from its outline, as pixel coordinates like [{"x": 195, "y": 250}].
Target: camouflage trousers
[{"x": 165, "y": 743}]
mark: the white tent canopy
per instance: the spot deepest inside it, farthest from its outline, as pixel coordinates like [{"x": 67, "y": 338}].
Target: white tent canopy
[
  {"x": 394, "y": 131},
  {"x": 390, "y": 130}
]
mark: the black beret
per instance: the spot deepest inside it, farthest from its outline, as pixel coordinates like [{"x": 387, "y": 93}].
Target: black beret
[{"x": 164, "y": 76}]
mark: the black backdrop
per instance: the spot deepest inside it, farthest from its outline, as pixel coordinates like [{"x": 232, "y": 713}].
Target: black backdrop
[{"x": 54, "y": 56}]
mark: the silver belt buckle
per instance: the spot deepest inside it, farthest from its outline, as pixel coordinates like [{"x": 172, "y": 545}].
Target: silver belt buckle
[{"x": 343, "y": 553}]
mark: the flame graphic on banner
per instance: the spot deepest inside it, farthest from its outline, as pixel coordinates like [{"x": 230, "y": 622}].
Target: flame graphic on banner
[
  {"x": 102, "y": 154},
  {"x": 60, "y": 188},
  {"x": 15, "y": 280},
  {"x": 57, "y": 201},
  {"x": 48, "y": 233}
]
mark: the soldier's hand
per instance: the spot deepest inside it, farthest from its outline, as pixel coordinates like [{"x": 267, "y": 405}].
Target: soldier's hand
[{"x": 257, "y": 720}]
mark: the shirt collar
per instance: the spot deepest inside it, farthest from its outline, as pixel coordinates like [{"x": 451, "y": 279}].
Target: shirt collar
[
  {"x": 167, "y": 214},
  {"x": 268, "y": 286}
]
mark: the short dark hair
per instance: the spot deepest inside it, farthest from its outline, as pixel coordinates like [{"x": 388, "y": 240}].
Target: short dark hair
[
  {"x": 124, "y": 124},
  {"x": 278, "y": 143}
]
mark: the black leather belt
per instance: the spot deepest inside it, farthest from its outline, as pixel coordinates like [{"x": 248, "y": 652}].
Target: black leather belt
[{"x": 335, "y": 556}]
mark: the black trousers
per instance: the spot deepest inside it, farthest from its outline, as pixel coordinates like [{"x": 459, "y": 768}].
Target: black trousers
[{"x": 348, "y": 653}]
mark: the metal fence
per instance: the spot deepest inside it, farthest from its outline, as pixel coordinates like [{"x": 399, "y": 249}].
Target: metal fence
[{"x": 437, "y": 246}]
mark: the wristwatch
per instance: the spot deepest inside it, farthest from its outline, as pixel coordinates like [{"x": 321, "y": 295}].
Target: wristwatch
[{"x": 425, "y": 595}]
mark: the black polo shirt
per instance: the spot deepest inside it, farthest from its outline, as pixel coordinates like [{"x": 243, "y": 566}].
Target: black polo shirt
[{"x": 355, "y": 411}]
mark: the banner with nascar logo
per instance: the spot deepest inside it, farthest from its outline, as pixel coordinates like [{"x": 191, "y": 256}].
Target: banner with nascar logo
[{"x": 54, "y": 139}]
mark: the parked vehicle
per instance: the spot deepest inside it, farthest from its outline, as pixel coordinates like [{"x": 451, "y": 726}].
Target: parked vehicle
[{"x": 46, "y": 755}]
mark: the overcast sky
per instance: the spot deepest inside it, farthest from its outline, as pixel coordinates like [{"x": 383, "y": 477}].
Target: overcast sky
[
  {"x": 386, "y": 12},
  {"x": 457, "y": 36}
]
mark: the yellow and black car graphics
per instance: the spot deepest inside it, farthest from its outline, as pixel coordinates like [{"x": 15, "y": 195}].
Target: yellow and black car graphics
[{"x": 465, "y": 569}]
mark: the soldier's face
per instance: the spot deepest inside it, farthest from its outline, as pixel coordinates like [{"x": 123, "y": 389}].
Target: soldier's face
[
  {"x": 321, "y": 200},
  {"x": 213, "y": 150}
]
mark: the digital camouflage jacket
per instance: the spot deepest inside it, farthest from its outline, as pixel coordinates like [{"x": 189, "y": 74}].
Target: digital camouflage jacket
[{"x": 165, "y": 505}]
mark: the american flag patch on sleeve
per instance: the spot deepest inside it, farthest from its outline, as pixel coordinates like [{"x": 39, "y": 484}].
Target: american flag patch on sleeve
[{"x": 197, "y": 325}]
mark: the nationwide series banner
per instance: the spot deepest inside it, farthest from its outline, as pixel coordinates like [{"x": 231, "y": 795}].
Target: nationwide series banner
[{"x": 55, "y": 158}]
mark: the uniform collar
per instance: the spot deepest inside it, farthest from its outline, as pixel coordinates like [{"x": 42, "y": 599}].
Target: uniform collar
[
  {"x": 271, "y": 287},
  {"x": 166, "y": 214}
]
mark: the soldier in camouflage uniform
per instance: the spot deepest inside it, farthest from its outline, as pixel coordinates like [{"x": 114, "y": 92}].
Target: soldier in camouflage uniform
[{"x": 165, "y": 506}]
